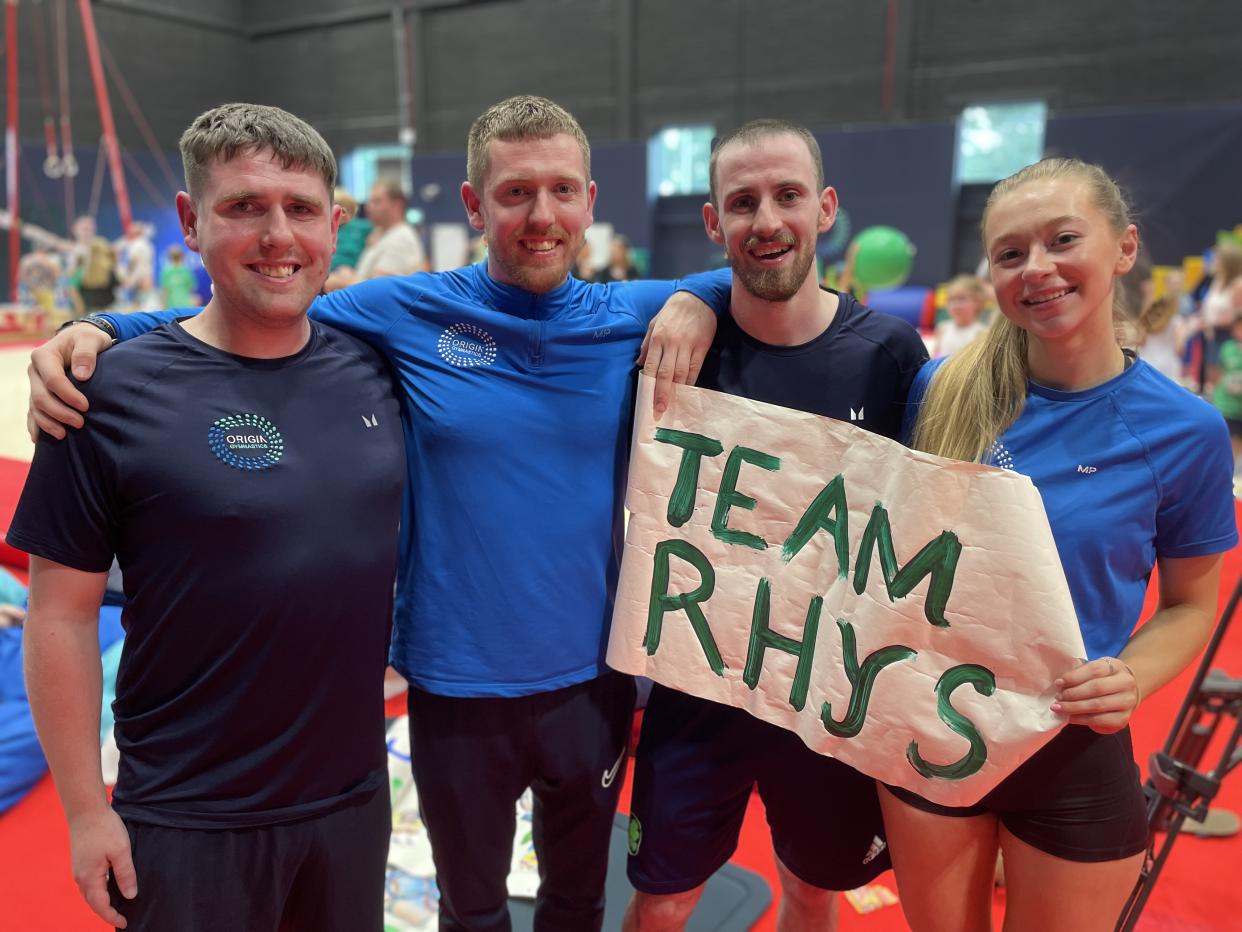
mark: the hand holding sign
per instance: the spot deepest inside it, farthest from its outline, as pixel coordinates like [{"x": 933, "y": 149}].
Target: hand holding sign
[{"x": 903, "y": 613}]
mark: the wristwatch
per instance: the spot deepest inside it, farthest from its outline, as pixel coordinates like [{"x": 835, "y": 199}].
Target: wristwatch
[{"x": 101, "y": 322}]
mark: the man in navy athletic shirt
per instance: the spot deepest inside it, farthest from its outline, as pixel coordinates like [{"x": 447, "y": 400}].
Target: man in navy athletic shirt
[
  {"x": 785, "y": 341},
  {"x": 239, "y": 463}
]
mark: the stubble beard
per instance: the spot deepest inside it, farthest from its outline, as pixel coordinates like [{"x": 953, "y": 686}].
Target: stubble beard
[
  {"x": 535, "y": 280},
  {"x": 774, "y": 284}
]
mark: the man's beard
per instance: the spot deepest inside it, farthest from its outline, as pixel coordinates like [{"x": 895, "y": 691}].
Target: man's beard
[{"x": 773, "y": 284}]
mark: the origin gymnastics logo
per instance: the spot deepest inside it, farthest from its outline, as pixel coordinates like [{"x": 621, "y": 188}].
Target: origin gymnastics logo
[
  {"x": 246, "y": 441},
  {"x": 466, "y": 346}
]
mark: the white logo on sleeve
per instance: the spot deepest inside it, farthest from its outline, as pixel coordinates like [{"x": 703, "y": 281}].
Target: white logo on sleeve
[
  {"x": 1088, "y": 470},
  {"x": 856, "y": 415},
  {"x": 372, "y": 422}
]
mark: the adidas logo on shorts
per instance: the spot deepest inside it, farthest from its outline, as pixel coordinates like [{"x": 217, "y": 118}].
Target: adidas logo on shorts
[{"x": 877, "y": 848}]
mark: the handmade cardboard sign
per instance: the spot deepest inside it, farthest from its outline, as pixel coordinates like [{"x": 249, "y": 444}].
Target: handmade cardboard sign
[{"x": 904, "y": 613}]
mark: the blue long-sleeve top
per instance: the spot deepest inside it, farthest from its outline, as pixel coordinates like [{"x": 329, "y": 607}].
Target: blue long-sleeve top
[{"x": 517, "y": 410}]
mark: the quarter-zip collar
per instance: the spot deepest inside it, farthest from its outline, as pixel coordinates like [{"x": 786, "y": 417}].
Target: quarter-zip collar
[{"x": 518, "y": 302}]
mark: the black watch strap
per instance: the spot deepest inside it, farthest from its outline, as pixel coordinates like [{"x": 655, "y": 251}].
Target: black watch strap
[{"x": 101, "y": 322}]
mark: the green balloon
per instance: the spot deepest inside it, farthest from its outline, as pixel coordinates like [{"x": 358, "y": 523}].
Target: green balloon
[{"x": 883, "y": 257}]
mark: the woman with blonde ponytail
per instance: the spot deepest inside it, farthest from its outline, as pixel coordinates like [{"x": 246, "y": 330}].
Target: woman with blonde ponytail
[{"x": 1135, "y": 471}]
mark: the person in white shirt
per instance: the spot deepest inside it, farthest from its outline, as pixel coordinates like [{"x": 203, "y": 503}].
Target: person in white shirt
[
  {"x": 393, "y": 247},
  {"x": 965, "y": 298}
]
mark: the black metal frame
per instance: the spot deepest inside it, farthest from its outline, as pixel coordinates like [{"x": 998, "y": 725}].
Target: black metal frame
[{"x": 1176, "y": 789}]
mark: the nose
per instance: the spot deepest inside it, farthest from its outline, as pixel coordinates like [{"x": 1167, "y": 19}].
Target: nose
[
  {"x": 1038, "y": 265},
  {"x": 767, "y": 221},
  {"x": 542, "y": 215},
  {"x": 277, "y": 232}
]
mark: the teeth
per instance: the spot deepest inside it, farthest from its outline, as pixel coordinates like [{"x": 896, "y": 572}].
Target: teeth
[
  {"x": 542, "y": 246},
  {"x": 1045, "y": 298},
  {"x": 276, "y": 271}
]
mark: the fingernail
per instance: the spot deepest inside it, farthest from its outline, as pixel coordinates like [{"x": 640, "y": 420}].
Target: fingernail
[
  {"x": 79, "y": 372},
  {"x": 1056, "y": 707}
]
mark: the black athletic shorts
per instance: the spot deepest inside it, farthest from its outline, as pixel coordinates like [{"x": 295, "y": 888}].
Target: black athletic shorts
[
  {"x": 1079, "y": 798},
  {"x": 324, "y": 874},
  {"x": 696, "y": 765}
]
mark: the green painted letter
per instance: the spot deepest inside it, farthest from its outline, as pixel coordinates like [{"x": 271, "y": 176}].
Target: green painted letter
[
  {"x": 830, "y": 500},
  {"x": 693, "y": 447},
  {"x": 728, "y": 496},
  {"x": 937, "y": 558},
  {"x": 661, "y": 602},
  {"x": 862, "y": 680},
  {"x": 762, "y": 637},
  {"x": 984, "y": 682}
]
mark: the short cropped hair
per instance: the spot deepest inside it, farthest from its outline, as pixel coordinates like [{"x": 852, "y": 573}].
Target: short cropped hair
[
  {"x": 226, "y": 131},
  {"x": 756, "y": 130},
  {"x": 519, "y": 118}
]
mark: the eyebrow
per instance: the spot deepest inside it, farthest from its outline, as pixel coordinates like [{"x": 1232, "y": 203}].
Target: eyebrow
[
  {"x": 1054, "y": 222},
  {"x": 788, "y": 183},
  {"x": 243, "y": 195}
]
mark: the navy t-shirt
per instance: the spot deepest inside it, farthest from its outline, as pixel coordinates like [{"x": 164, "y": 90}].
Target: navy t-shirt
[
  {"x": 858, "y": 370},
  {"x": 253, "y": 507}
]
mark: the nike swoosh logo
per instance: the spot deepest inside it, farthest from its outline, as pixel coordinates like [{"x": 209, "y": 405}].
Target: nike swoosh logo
[{"x": 611, "y": 773}]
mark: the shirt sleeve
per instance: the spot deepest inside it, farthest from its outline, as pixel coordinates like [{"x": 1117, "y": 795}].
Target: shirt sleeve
[
  {"x": 646, "y": 298},
  {"x": 68, "y": 510},
  {"x": 712, "y": 288},
  {"x": 368, "y": 309},
  {"x": 1196, "y": 516},
  {"x": 914, "y": 398},
  {"x": 128, "y": 326}
]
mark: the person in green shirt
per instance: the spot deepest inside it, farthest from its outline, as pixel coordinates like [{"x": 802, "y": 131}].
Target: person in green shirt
[
  {"x": 177, "y": 282},
  {"x": 351, "y": 238},
  {"x": 1227, "y": 396}
]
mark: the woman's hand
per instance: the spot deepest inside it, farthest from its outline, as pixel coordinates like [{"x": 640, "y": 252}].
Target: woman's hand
[{"x": 1101, "y": 694}]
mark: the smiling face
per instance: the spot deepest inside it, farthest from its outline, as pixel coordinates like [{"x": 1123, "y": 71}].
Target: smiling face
[
  {"x": 266, "y": 236},
  {"x": 534, "y": 205},
  {"x": 1054, "y": 255},
  {"x": 770, "y": 213}
]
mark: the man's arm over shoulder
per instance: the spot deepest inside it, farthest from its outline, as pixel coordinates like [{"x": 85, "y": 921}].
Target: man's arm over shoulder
[
  {"x": 55, "y": 402},
  {"x": 128, "y": 326},
  {"x": 680, "y": 334},
  {"x": 369, "y": 309},
  {"x": 648, "y": 296}
]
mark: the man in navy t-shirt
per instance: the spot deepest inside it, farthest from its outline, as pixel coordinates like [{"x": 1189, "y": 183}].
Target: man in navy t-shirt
[
  {"x": 784, "y": 341},
  {"x": 246, "y": 467}
]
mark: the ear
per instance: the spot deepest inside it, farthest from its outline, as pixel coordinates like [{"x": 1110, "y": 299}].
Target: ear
[
  {"x": 187, "y": 214},
  {"x": 827, "y": 209},
  {"x": 591, "y": 191},
  {"x": 711, "y": 223},
  {"x": 338, "y": 217},
  {"x": 474, "y": 206},
  {"x": 1129, "y": 250}
]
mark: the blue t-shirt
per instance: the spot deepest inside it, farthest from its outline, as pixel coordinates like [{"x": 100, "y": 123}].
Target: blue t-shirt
[
  {"x": 859, "y": 369},
  {"x": 253, "y": 506},
  {"x": 517, "y": 413},
  {"x": 1132, "y": 470}
]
